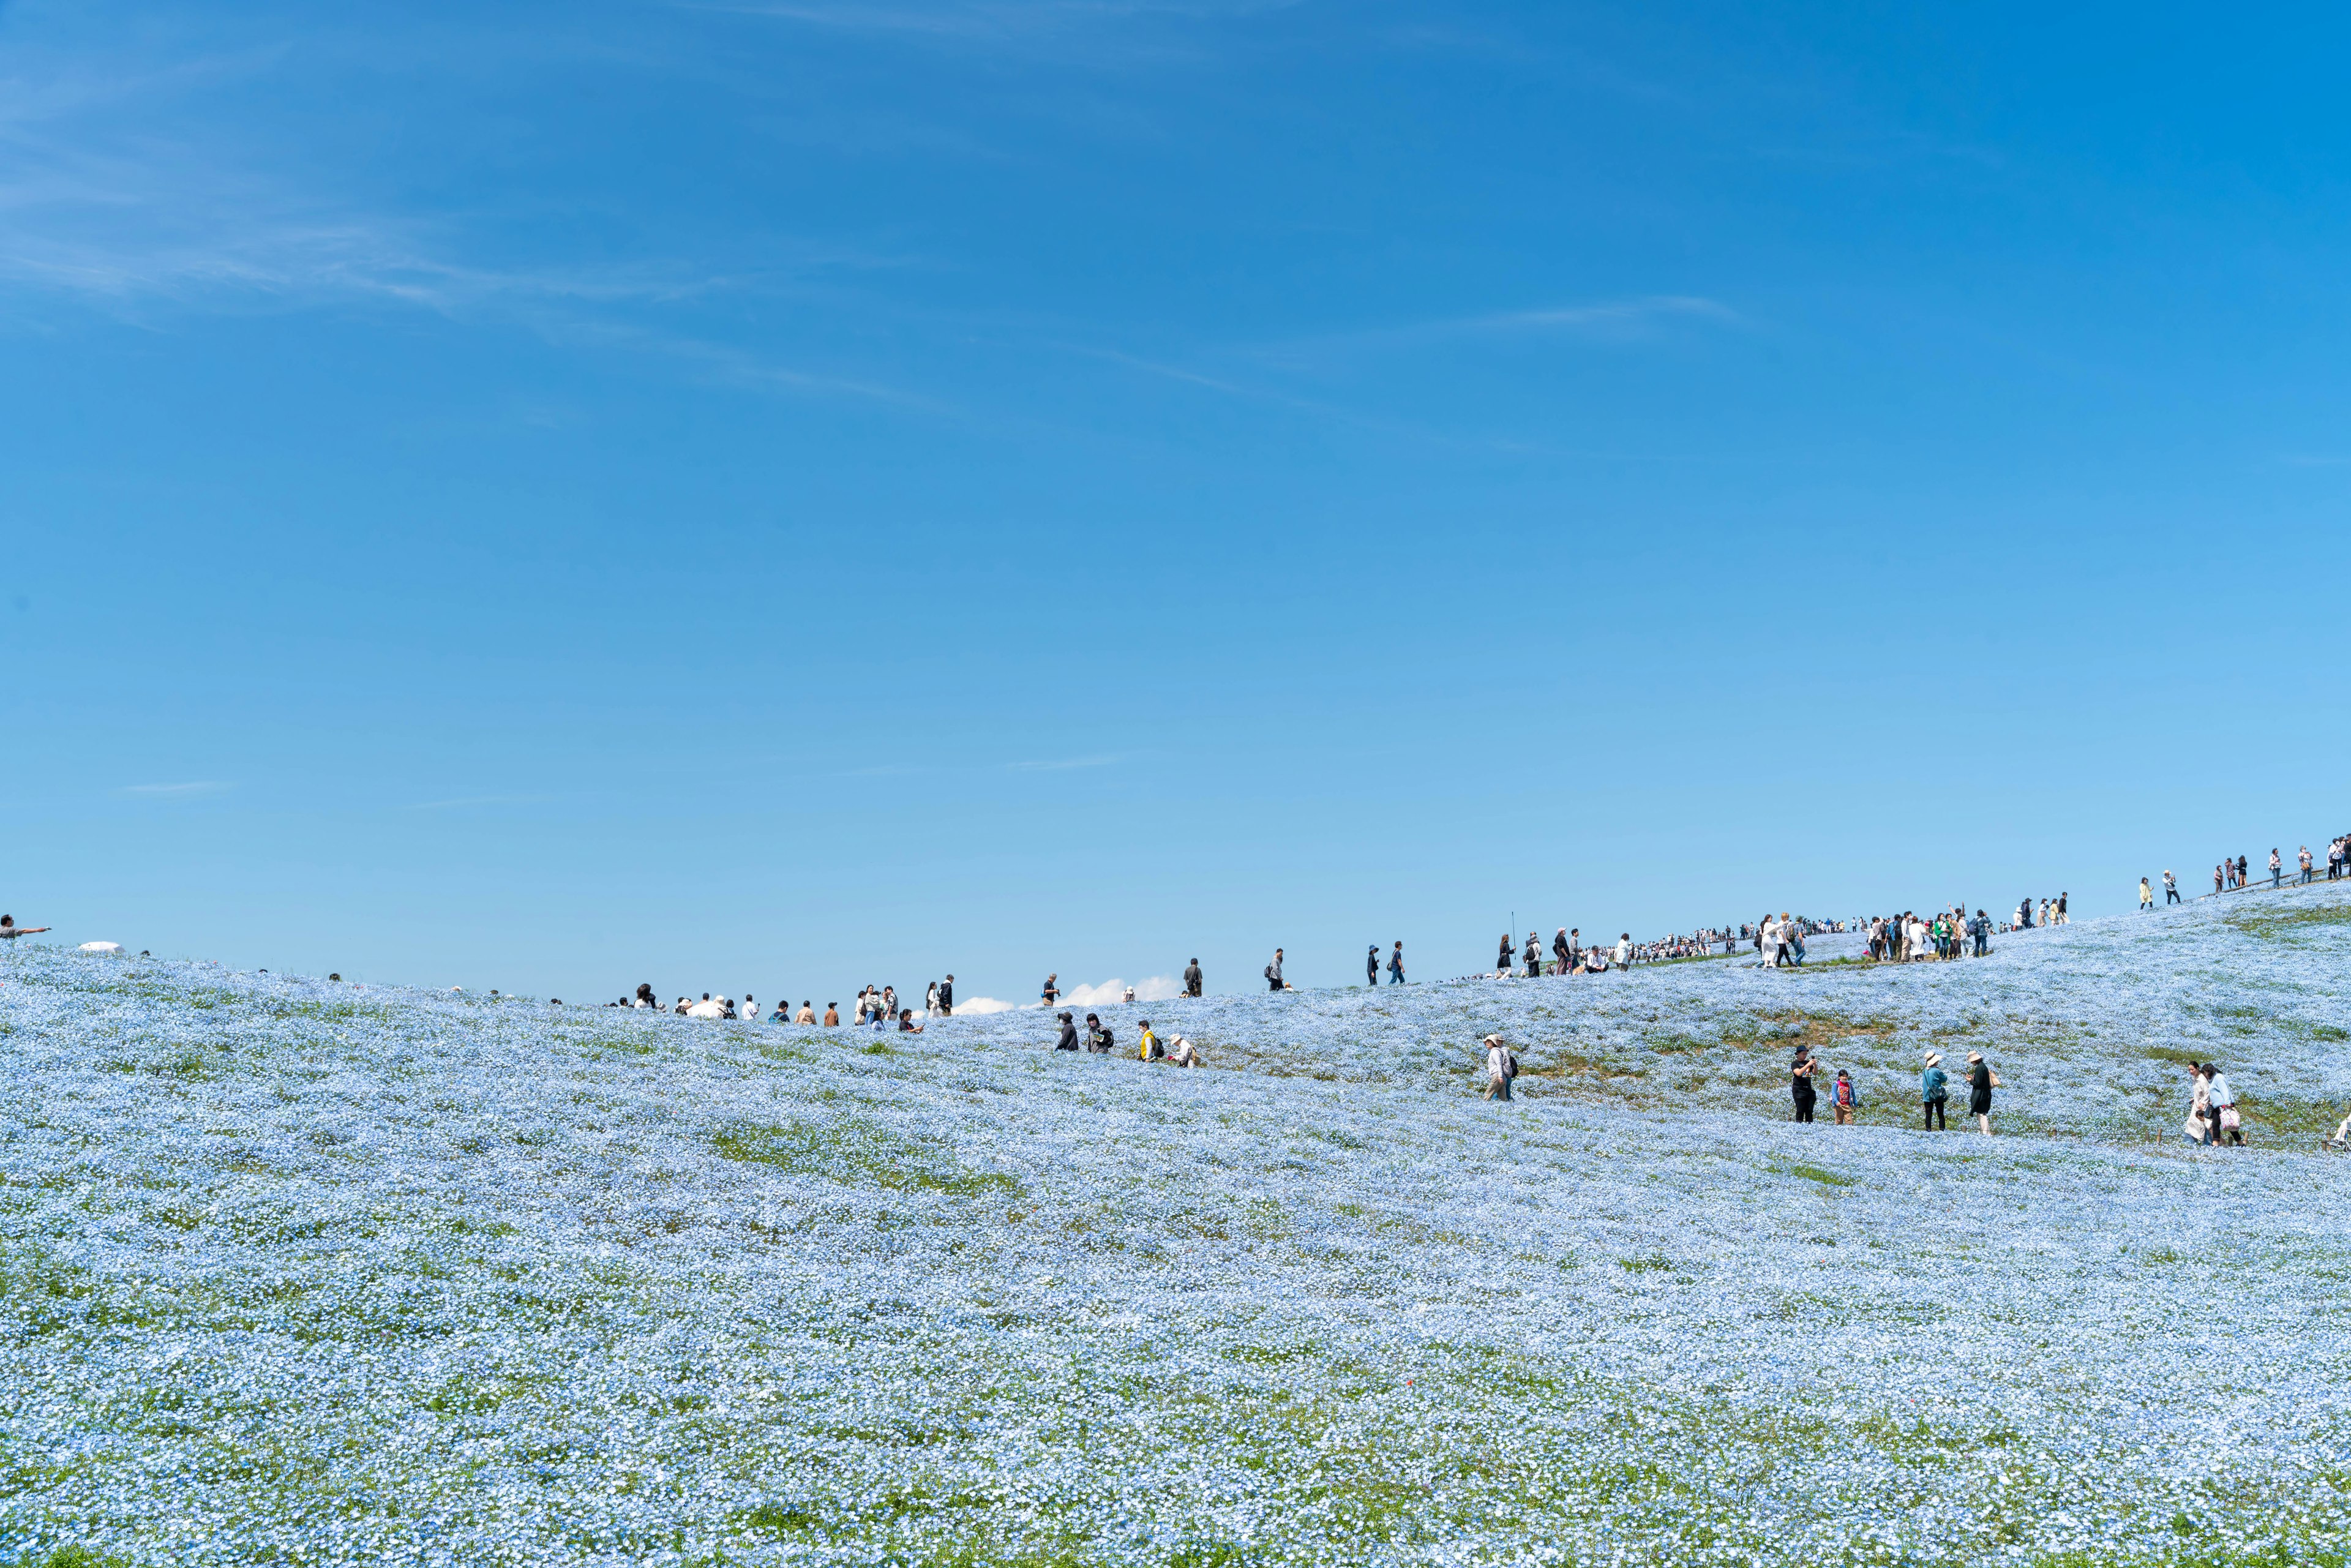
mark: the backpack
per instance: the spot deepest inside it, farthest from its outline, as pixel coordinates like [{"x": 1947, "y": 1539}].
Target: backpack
[{"x": 1509, "y": 1065}]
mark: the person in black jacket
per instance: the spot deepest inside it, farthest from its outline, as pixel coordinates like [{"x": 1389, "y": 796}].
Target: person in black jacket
[
  {"x": 1069, "y": 1040},
  {"x": 947, "y": 997},
  {"x": 1097, "y": 1038},
  {"x": 1559, "y": 951},
  {"x": 1371, "y": 965},
  {"x": 1192, "y": 979}
]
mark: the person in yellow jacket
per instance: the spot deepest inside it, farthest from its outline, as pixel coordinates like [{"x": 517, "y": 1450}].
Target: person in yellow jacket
[{"x": 1148, "y": 1046}]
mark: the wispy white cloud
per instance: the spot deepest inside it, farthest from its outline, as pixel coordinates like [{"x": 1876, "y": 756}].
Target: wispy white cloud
[
  {"x": 1057, "y": 765},
  {"x": 972, "y": 1006},
  {"x": 195, "y": 786},
  {"x": 463, "y": 800}
]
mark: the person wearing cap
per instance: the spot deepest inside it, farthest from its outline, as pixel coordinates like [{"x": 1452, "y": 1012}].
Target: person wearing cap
[
  {"x": 1934, "y": 1092},
  {"x": 1534, "y": 956},
  {"x": 1371, "y": 965},
  {"x": 1981, "y": 1082},
  {"x": 1192, "y": 979},
  {"x": 1181, "y": 1054},
  {"x": 1800, "y": 1084},
  {"x": 1069, "y": 1040},
  {"x": 1844, "y": 1099}
]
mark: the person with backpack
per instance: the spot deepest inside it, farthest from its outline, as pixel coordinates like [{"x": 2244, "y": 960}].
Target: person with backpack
[
  {"x": 1934, "y": 1090},
  {"x": 1097, "y": 1038},
  {"x": 1844, "y": 1100},
  {"x": 1559, "y": 950},
  {"x": 1501, "y": 1066},
  {"x": 1180, "y": 1053},
  {"x": 1148, "y": 1048},
  {"x": 1534, "y": 957},
  {"x": 1191, "y": 978},
  {"x": 1273, "y": 972}
]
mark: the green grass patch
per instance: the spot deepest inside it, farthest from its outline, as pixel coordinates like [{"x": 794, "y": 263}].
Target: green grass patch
[{"x": 860, "y": 1153}]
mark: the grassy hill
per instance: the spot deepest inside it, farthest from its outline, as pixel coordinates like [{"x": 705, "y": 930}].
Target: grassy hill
[{"x": 301, "y": 1272}]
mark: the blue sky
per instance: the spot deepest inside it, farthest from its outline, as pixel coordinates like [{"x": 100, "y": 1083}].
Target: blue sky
[{"x": 786, "y": 495}]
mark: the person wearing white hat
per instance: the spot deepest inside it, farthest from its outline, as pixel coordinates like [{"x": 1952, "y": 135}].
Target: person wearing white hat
[
  {"x": 1500, "y": 1068},
  {"x": 1934, "y": 1092},
  {"x": 1981, "y": 1082}
]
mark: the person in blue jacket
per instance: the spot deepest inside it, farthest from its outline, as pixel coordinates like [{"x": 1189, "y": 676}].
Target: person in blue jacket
[{"x": 1934, "y": 1092}]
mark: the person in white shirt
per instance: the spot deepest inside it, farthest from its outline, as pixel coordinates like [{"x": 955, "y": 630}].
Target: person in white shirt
[
  {"x": 1500, "y": 1068},
  {"x": 2225, "y": 1122},
  {"x": 1624, "y": 949},
  {"x": 931, "y": 1001}
]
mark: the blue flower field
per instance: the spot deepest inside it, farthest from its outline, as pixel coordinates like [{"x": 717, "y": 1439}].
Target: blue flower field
[{"x": 303, "y": 1272}]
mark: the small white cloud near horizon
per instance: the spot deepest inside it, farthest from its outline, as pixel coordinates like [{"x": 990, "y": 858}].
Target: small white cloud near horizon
[
  {"x": 195, "y": 787},
  {"x": 1157, "y": 989},
  {"x": 974, "y": 1007}
]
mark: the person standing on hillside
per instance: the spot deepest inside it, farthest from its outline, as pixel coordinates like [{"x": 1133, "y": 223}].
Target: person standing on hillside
[
  {"x": 1800, "y": 1084},
  {"x": 1981, "y": 1082},
  {"x": 1934, "y": 1092},
  {"x": 1844, "y": 1100},
  {"x": 1053, "y": 991},
  {"x": 2277, "y": 867},
  {"x": 2303, "y": 860},
  {"x": 2199, "y": 1104},
  {"x": 1534, "y": 957},
  {"x": 10, "y": 930},
  {"x": 947, "y": 997},
  {"x": 1980, "y": 926},
  {"x": 1559, "y": 950},
  {"x": 1192, "y": 979},
  {"x": 832, "y": 1015},
  {"x": 1502, "y": 958},
  {"x": 1624, "y": 950},
  {"x": 1396, "y": 965},
  {"x": 2145, "y": 896},
  {"x": 2170, "y": 888},
  {"x": 1273, "y": 971},
  {"x": 1069, "y": 1039}
]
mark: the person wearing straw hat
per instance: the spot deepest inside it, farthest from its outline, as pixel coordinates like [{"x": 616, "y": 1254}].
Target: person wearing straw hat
[
  {"x": 1981, "y": 1082},
  {"x": 1934, "y": 1092},
  {"x": 1500, "y": 1068}
]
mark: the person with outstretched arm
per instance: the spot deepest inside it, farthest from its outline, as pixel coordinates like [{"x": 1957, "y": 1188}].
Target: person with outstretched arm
[{"x": 10, "y": 930}]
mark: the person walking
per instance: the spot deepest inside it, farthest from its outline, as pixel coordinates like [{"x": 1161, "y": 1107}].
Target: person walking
[
  {"x": 1983, "y": 927},
  {"x": 1534, "y": 957},
  {"x": 2145, "y": 896},
  {"x": 2199, "y": 1104},
  {"x": 1501, "y": 1066},
  {"x": 1559, "y": 951},
  {"x": 2226, "y": 1123},
  {"x": 1800, "y": 1084},
  {"x": 2170, "y": 888},
  {"x": 1934, "y": 1092},
  {"x": 1192, "y": 979},
  {"x": 1981, "y": 1082},
  {"x": 2062, "y": 919},
  {"x": 1371, "y": 965},
  {"x": 1273, "y": 972},
  {"x": 1396, "y": 965}
]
